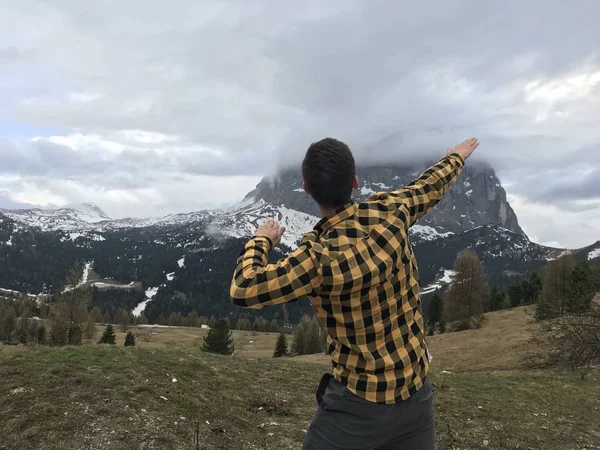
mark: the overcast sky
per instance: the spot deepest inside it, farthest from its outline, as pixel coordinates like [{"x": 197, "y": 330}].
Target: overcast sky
[{"x": 152, "y": 107}]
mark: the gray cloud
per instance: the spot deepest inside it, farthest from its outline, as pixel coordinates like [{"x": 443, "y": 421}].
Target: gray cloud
[{"x": 238, "y": 89}]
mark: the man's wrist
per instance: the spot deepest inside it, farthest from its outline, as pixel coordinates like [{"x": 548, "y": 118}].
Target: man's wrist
[
  {"x": 264, "y": 238},
  {"x": 458, "y": 155}
]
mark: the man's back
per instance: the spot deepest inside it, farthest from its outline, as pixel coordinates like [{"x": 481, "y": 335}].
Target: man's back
[
  {"x": 369, "y": 299},
  {"x": 359, "y": 270}
]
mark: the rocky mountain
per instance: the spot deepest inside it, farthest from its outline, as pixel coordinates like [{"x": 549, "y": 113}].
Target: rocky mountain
[
  {"x": 476, "y": 199},
  {"x": 183, "y": 262}
]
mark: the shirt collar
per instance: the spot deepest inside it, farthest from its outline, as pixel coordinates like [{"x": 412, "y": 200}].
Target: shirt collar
[{"x": 340, "y": 214}]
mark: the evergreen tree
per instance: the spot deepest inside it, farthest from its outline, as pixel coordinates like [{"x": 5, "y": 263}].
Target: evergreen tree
[
  {"x": 274, "y": 326},
  {"x": 581, "y": 288},
  {"x": 516, "y": 294},
  {"x": 435, "y": 309},
  {"x": 281, "y": 346},
  {"x": 496, "y": 299},
  {"x": 468, "y": 293},
  {"x": 129, "y": 339},
  {"x": 218, "y": 339},
  {"x": 108, "y": 337}
]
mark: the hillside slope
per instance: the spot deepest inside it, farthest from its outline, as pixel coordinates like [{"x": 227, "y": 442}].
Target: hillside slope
[{"x": 97, "y": 397}]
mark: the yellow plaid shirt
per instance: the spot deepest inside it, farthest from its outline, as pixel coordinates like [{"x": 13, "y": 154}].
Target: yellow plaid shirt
[{"x": 358, "y": 268}]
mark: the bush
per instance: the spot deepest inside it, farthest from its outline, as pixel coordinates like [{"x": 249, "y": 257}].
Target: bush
[{"x": 129, "y": 339}]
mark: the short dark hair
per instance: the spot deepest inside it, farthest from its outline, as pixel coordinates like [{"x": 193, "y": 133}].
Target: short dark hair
[{"x": 328, "y": 170}]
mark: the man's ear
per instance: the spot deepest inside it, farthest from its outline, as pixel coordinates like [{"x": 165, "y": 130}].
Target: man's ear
[
  {"x": 355, "y": 182},
  {"x": 304, "y": 188}
]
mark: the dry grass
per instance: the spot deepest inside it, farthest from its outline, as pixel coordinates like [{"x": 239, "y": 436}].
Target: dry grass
[
  {"x": 107, "y": 398},
  {"x": 500, "y": 344},
  {"x": 247, "y": 343}
]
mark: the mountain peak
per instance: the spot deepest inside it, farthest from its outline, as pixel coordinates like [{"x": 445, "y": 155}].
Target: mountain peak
[
  {"x": 477, "y": 198},
  {"x": 90, "y": 210}
]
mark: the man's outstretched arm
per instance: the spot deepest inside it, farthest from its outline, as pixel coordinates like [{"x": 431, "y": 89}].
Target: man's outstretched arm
[
  {"x": 257, "y": 284},
  {"x": 420, "y": 196}
]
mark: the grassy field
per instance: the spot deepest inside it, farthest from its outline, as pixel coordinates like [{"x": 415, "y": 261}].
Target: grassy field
[
  {"x": 247, "y": 343},
  {"x": 165, "y": 394}
]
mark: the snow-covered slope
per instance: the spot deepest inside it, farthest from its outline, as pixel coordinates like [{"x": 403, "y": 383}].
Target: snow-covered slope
[
  {"x": 243, "y": 219},
  {"x": 85, "y": 219}
]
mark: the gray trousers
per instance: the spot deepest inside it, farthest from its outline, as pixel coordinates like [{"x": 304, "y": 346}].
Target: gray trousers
[{"x": 346, "y": 421}]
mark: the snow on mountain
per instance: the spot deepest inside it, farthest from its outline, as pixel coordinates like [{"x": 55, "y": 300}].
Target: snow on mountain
[
  {"x": 594, "y": 254},
  {"x": 243, "y": 220},
  {"x": 86, "y": 220},
  {"x": 150, "y": 294}
]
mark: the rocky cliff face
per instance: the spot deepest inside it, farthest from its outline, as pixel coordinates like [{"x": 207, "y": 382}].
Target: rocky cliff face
[{"x": 476, "y": 199}]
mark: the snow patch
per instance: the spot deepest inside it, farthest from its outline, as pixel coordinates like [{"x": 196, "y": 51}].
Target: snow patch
[
  {"x": 427, "y": 233},
  {"x": 139, "y": 309},
  {"x": 594, "y": 254},
  {"x": 181, "y": 262},
  {"x": 448, "y": 276},
  {"x": 469, "y": 192},
  {"x": 171, "y": 276},
  {"x": 366, "y": 191}
]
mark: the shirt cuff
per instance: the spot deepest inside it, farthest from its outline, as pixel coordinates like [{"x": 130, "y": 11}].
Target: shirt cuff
[
  {"x": 265, "y": 239},
  {"x": 460, "y": 158}
]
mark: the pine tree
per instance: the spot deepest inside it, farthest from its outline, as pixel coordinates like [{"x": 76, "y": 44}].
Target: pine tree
[
  {"x": 516, "y": 294},
  {"x": 108, "y": 337},
  {"x": 497, "y": 298},
  {"x": 219, "y": 339},
  {"x": 581, "y": 288},
  {"x": 435, "y": 310},
  {"x": 281, "y": 346},
  {"x": 468, "y": 293},
  {"x": 274, "y": 326},
  {"x": 129, "y": 339}
]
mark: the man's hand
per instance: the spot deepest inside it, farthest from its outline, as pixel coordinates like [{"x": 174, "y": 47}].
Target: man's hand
[
  {"x": 465, "y": 148},
  {"x": 272, "y": 230}
]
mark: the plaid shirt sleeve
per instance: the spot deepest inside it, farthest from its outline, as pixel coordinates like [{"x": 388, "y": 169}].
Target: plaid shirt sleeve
[
  {"x": 426, "y": 191},
  {"x": 257, "y": 284}
]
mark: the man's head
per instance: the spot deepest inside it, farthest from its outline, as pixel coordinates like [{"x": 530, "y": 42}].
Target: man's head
[{"x": 329, "y": 173}]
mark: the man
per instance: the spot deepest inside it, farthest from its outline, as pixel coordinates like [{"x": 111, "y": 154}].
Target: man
[{"x": 358, "y": 269}]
